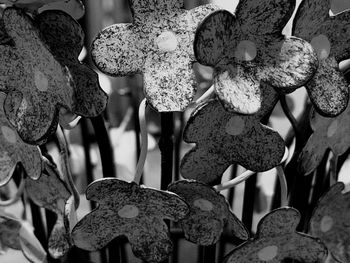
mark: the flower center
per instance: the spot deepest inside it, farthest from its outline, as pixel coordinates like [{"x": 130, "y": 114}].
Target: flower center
[
  {"x": 332, "y": 128},
  {"x": 268, "y": 253},
  {"x": 203, "y": 204},
  {"x": 322, "y": 46},
  {"x": 9, "y": 134},
  {"x": 166, "y": 41},
  {"x": 128, "y": 211},
  {"x": 246, "y": 50},
  {"x": 41, "y": 81},
  {"x": 235, "y": 126},
  {"x": 326, "y": 223}
]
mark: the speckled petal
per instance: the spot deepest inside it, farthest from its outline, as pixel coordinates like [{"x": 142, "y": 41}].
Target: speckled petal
[
  {"x": 203, "y": 165},
  {"x": 117, "y": 50},
  {"x": 10, "y": 67},
  {"x": 140, "y": 7},
  {"x": 211, "y": 41},
  {"x": 195, "y": 16},
  {"x": 209, "y": 213},
  {"x": 280, "y": 241},
  {"x": 9, "y": 229},
  {"x": 264, "y": 17},
  {"x": 330, "y": 220},
  {"x": 238, "y": 89},
  {"x": 74, "y": 8},
  {"x": 289, "y": 64},
  {"x": 169, "y": 81},
  {"x": 14, "y": 150},
  {"x": 61, "y": 33},
  {"x": 59, "y": 240}
]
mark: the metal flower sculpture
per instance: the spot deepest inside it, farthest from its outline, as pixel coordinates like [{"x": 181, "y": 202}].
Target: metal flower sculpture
[
  {"x": 13, "y": 151},
  {"x": 223, "y": 138},
  {"x": 158, "y": 44},
  {"x": 133, "y": 211},
  {"x": 209, "y": 214},
  {"x": 277, "y": 240},
  {"x": 51, "y": 193},
  {"x": 330, "y": 222},
  {"x": 40, "y": 86},
  {"x": 330, "y": 37},
  {"x": 248, "y": 48},
  {"x": 329, "y": 133}
]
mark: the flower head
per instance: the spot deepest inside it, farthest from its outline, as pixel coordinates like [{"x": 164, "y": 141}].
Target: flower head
[
  {"x": 133, "y": 211},
  {"x": 277, "y": 239},
  {"x": 330, "y": 37},
  {"x": 209, "y": 214},
  {"x": 223, "y": 138},
  {"x": 248, "y": 48},
  {"x": 158, "y": 44}
]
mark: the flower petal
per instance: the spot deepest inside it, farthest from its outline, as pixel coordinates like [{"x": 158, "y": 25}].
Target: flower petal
[
  {"x": 61, "y": 33},
  {"x": 74, "y": 8},
  {"x": 117, "y": 50},
  {"x": 169, "y": 81},
  {"x": 289, "y": 64},
  {"x": 59, "y": 240},
  {"x": 265, "y": 17},
  {"x": 328, "y": 89},
  {"x": 238, "y": 89},
  {"x": 212, "y": 40}
]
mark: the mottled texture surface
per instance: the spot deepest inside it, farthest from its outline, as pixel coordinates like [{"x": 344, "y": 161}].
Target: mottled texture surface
[
  {"x": 248, "y": 48},
  {"x": 158, "y": 44},
  {"x": 37, "y": 85},
  {"x": 223, "y": 138},
  {"x": 74, "y": 8},
  {"x": 9, "y": 232},
  {"x": 13, "y": 150},
  {"x": 330, "y": 36},
  {"x": 329, "y": 133},
  {"x": 277, "y": 239},
  {"x": 209, "y": 214},
  {"x": 330, "y": 222},
  {"x": 65, "y": 38},
  {"x": 133, "y": 211},
  {"x": 51, "y": 193}
]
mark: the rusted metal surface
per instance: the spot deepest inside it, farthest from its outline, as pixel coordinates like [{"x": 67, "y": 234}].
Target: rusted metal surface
[
  {"x": 158, "y": 44},
  {"x": 126, "y": 209},
  {"x": 247, "y": 49},
  {"x": 329, "y": 133},
  {"x": 330, "y": 221},
  {"x": 13, "y": 151},
  {"x": 223, "y": 138},
  {"x": 330, "y": 37},
  {"x": 209, "y": 214},
  {"x": 277, "y": 239}
]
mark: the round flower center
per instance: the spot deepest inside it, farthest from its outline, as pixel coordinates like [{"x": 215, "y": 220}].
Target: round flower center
[
  {"x": 322, "y": 46},
  {"x": 166, "y": 41},
  {"x": 128, "y": 211},
  {"x": 41, "y": 81},
  {"x": 268, "y": 253},
  {"x": 203, "y": 204},
  {"x": 332, "y": 128},
  {"x": 326, "y": 223},
  {"x": 235, "y": 126},
  {"x": 9, "y": 134},
  {"x": 246, "y": 50}
]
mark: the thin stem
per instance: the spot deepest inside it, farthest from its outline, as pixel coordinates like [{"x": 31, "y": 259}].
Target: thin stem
[
  {"x": 333, "y": 178},
  {"x": 283, "y": 185},
  {"x": 206, "y": 95},
  {"x": 290, "y": 116},
  {"x": 17, "y": 196},
  {"x": 63, "y": 147},
  {"x": 144, "y": 142}
]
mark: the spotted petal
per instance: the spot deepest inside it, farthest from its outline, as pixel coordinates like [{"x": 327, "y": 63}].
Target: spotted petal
[
  {"x": 118, "y": 50},
  {"x": 288, "y": 64}
]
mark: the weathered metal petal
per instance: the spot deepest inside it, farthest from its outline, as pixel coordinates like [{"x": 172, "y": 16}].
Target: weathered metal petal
[{"x": 74, "y": 8}]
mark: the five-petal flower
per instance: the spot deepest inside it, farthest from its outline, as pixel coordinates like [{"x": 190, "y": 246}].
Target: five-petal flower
[
  {"x": 248, "y": 48},
  {"x": 133, "y": 211},
  {"x": 223, "y": 138},
  {"x": 209, "y": 214},
  {"x": 158, "y": 44},
  {"x": 330, "y": 37},
  {"x": 13, "y": 150},
  {"x": 277, "y": 240},
  {"x": 330, "y": 222}
]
